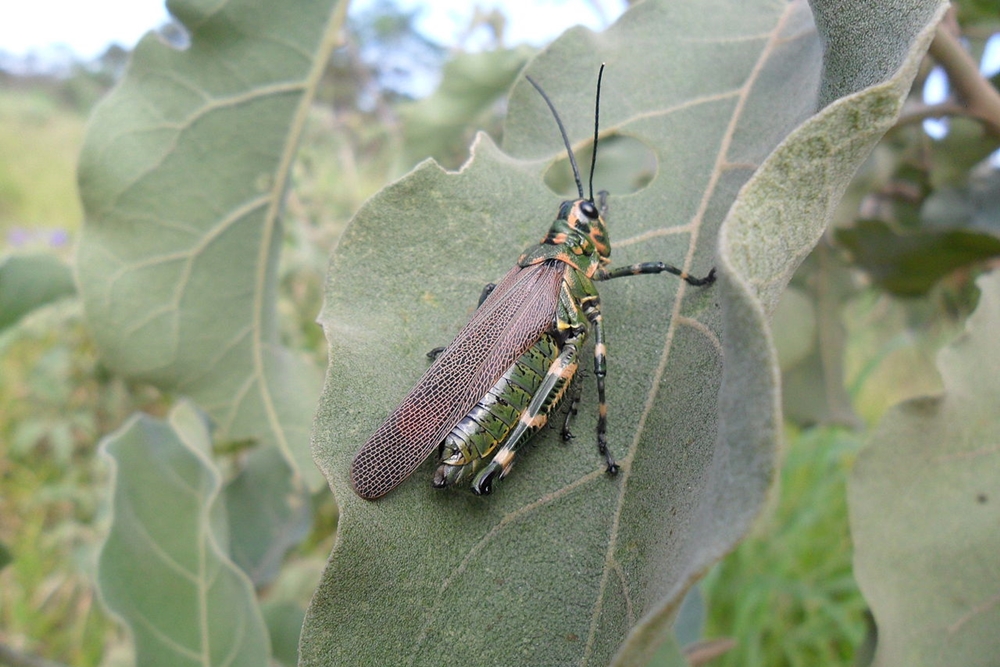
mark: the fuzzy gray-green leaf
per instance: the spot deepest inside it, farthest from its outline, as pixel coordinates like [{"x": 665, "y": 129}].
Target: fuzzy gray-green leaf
[
  {"x": 925, "y": 508},
  {"x": 182, "y": 176},
  {"x": 563, "y": 565},
  {"x": 164, "y": 568}
]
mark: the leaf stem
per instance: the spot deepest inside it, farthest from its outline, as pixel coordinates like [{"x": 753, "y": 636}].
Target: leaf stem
[
  {"x": 14, "y": 658},
  {"x": 979, "y": 98}
]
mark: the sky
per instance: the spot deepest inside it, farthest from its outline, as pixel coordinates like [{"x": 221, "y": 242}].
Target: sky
[{"x": 88, "y": 28}]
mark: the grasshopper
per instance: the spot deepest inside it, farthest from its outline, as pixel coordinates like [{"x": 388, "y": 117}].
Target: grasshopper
[{"x": 510, "y": 367}]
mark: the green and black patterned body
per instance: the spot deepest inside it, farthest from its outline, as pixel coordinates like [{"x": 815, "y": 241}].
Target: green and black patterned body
[
  {"x": 509, "y": 368},
  {"x": 489, "y": 424}
]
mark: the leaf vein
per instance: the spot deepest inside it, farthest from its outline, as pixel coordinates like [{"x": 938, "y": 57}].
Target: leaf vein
[{"x": 742, "y": 94}]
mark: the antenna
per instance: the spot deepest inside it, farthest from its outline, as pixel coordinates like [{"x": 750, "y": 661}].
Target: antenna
[
  {"x": 562, "y": 130},
  {"x": 597, "y": 116}
]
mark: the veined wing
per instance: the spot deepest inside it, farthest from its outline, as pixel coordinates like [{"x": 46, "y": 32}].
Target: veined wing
[{"x": 520, "y": 308}]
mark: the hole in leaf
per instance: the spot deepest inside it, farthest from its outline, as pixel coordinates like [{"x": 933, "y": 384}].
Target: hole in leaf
[{"x": 624, "y": 165}]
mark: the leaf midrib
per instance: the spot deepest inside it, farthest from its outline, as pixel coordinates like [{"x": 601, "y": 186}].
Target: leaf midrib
[{"x": 743, "y": 93}]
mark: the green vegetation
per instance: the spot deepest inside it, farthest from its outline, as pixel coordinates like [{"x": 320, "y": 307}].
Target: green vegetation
[
  {"x": 39, "y": 143},
  {"x": 787, "y": 592},
  {"x": 858, "y": 331}
]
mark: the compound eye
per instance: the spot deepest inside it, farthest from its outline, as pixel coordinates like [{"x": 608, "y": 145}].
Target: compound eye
[{"x": 589, "y": 210}]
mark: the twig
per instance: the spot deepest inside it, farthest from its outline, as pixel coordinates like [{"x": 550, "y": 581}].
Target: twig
[
  {"x": 13, "y": 658},
  {"x": 918, "y": 113},
  {"x": 980, "y": 98}
]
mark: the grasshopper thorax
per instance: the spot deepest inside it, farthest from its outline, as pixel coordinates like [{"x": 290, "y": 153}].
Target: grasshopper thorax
[{"x": 578, "y": 237}]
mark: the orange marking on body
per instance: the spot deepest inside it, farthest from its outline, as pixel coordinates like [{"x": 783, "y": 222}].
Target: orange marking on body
[
  {"x": 534, "y": 421},
  {"x": 566, "y": 259},
  {"x": 504, "y": 458}
]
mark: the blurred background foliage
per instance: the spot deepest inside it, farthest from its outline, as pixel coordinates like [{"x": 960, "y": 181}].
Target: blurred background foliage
[{"x": 857, "y": 331}]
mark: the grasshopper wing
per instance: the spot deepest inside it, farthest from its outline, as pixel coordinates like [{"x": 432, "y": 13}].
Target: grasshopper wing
[{"x": 519, "y": 310}]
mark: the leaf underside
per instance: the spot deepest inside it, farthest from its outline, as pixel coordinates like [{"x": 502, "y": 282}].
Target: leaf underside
[
  {"x": 182, "y": 177},
  {"x": 164, "y": 568}
]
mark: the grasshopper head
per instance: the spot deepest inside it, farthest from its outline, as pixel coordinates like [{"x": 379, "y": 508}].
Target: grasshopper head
[{"x": 581, "y": 228}]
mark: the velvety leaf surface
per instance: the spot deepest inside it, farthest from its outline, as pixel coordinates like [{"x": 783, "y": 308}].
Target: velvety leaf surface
[
  {"x": 182, "y": 175},
  {"x": 924, "y": 508},
  {"x": 164, "y": 568},
  {"x": 563, "y": 565}
]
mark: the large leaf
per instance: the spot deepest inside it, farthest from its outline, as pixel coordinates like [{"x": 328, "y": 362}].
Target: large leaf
[
  {"x": 182, "y": 175},
  {"x": 163, "y": 568},
  {"x": 924, "y": 509},
  {"x": 563, "y": 565}
]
